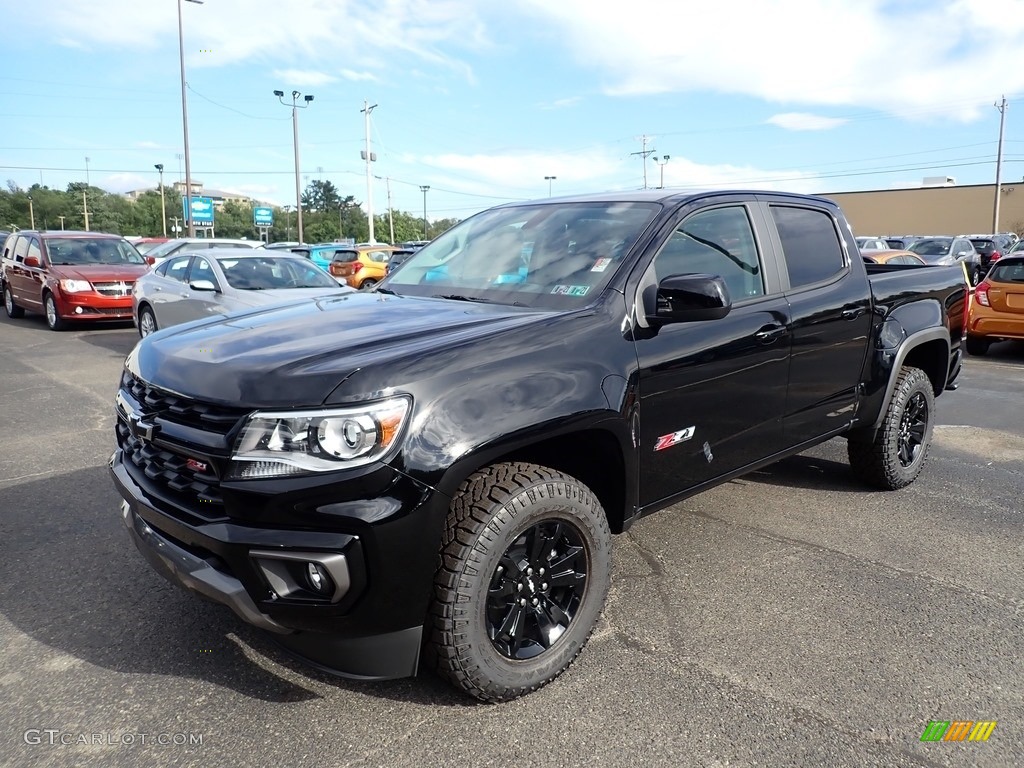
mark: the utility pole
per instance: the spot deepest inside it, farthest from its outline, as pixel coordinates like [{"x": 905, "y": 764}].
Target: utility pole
[
  {"x": 999, "y": 163},
  {"x": 661, "y": 164},
  {"x": 295, "y": 140},
  {"x": 369, "y": 157},
  {"x": 424, "y": 189},
  {"x": 31, "y": 213},
  {"x": 85, "y": 209},
  {"x": 176, "y": 229},
  {"x": 391, "y": 218},
  {"x": 184, "y": 123},
  {"x": 643, "y": 154},
  {"x": 61, "y": 223}
]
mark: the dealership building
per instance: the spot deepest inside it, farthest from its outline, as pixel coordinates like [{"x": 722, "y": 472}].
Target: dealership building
[{"x": 939, "y": 207}]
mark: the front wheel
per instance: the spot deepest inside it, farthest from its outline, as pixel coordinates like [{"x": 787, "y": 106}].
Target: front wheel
[
  {"x": 893, "y": 457},
  {"x": 13, "y": 310},
  {"x": 53, "y": 318},
  {"x": 147, "y": 322},
  {"x": 523, "y": 576},
  {"x": 978, "y": 276}
]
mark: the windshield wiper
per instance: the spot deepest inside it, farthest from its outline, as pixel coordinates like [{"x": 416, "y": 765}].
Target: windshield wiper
[
  {"x": 457, "y": 297},
  {"x": 388, "y": 291}
]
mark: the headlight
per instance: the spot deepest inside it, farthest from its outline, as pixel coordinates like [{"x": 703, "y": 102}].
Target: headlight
[
  {"x": 75, "y": 286},
  {"x": 301, "y": 442}
]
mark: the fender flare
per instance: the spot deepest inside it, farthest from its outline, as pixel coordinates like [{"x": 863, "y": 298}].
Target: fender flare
[{"x": 909, "y": 344}]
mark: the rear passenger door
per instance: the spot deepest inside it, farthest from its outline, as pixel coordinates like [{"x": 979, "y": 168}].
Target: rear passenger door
[
  {"x": 170, "y": 290},
  {"x": 830, "y": 305}
]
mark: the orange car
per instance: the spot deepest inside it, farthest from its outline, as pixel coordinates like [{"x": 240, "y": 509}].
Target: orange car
[
  {"x": 997, "y": 312},
  {"x": 362, "y": 266},
  {"x": 892, "y": 257}
]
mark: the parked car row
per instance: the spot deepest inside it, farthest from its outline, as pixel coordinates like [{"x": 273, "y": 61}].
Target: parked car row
[{"x": 978, "y": 251}]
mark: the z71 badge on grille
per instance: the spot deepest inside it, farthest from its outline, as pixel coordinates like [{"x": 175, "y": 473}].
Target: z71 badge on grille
[{"x": 667, "y": 441}]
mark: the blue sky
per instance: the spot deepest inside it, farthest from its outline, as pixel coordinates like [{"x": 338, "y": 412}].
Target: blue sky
[{"x": 482, "y": 100}]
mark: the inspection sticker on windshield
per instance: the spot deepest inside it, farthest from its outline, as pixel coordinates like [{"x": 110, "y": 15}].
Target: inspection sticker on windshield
[
  {"x": 600, "y": 265},
  {"x": 571, "y": 290}
]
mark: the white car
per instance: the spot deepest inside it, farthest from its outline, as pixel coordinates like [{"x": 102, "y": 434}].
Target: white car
[
  {"x": 195, "y": 285},
  {"x": 872, "y": 244},
  {"x": 155, "y": 255}
]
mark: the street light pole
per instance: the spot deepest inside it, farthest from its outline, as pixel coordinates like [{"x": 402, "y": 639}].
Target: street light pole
[
  {"x": 163, "y": 206},
  {"x": 61, "y": 222},
  {"x": 31, "y": 213},
  {"x": 184, "y": 123},
  {"x": 295, "y": 141},
  {"x": 661, "y": 165},
  {"x": 549, "y": 179},
  {"x": 369, "y": 157},
  {"x": 424, "y": 189}
]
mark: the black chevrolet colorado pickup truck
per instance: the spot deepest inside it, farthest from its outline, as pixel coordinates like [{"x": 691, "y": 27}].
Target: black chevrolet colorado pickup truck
[{"x": 434, "y": 469}]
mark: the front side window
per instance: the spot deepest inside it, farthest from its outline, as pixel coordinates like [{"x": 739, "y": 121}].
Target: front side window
[
  {"x": 33, "y": 250},
  {"x": 270, "y": 272},
  {"x": 810, "y": 244},
  {"x": 21, "y": 249},
  {"x": 177, "y": 268},
  {"x": 718, "y": 242},
  {"x": 557, "y": 255}
]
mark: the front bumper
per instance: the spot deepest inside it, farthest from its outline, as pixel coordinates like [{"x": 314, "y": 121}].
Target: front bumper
[
  {"x": 370, "y": 626},
  {"x": 91, "y": 306}
]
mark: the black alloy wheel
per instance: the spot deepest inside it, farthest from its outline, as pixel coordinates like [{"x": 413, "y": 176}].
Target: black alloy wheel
[
  {"x": 536, "y": 590},
  {"x": 913, "y": 427}
]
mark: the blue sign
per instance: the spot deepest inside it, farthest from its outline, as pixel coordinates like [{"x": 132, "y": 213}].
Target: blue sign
[
  {"x": 202, "y": 211},
  {"x": 263, "y": 217}
]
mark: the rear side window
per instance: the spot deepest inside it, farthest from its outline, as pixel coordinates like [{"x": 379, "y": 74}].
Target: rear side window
[
  {"x": 177, "y": 268},
  {"x": 810, "y": 244}
]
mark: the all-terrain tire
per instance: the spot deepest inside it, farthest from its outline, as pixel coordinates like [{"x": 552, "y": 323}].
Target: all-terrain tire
[
  {"x": 893, "y": 457},
  {"x": 492, "y": 631}
]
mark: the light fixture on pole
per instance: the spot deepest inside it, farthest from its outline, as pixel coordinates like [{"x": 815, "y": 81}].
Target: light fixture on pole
[
  {"x": 549, "y": 179},
  {"x": 287, "y": 222},
  {"x": 31, "y": 213},
  {"x": 163, "y": 207},
  {"x": 295, "y": 141},
  {"x": 184, "y": 123},
  {"x": 424, "y": 189},
  {"x": 661, "y": 165}
]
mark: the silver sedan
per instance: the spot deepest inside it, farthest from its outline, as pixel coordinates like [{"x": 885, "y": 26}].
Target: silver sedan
[{"x": 219, "y": 281}]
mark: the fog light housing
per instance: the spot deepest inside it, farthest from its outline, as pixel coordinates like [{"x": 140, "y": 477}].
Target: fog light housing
[
  {"x": 319, "y": 580},
  {"x": 79, "y": 310}
]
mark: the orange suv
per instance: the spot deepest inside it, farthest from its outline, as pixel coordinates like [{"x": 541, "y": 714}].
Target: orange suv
[
  {"x": 362, "y": 266},
  {"x": 69, "y": 276},
  {"x": 997, "y": 312}
]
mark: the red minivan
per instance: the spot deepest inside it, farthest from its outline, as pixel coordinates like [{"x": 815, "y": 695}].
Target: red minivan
[{"x": 69, "y": 276}]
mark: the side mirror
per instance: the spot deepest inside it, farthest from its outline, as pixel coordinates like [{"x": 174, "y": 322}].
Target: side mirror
[
  {"x": 691, "y": 298},
  {"x": 31, "y": 261},
  {"x": 202, "y": 285}
]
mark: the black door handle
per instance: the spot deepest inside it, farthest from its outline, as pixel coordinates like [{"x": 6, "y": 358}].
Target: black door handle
[
  {"x": 770, "y": 333},
  {"x": 852, "y": 313}
]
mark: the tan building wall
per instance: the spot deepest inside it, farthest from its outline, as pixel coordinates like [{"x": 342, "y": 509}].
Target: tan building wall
[{"x": 933, "y": 210}]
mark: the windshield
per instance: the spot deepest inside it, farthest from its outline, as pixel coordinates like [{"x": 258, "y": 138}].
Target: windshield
[
  {"x": 933, "y": 247},
  {"x": 162, "y": 249},
  {"x": 274, "y": 272},
  {"x": 83, "y": 251},
  {"x": 551, "y": 255}
]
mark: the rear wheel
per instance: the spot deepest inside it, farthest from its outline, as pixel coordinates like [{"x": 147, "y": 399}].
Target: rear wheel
[
  {"x": 977, "y": 345},
  {"x": 893, "y": 457},
  {"x": 13, "y": 310},
  {"x": 53, "y": 318},
  {"x": 523, "y": 576},
  {"x": 367, "y": 284},
  {"x": 977, "y": 276}
]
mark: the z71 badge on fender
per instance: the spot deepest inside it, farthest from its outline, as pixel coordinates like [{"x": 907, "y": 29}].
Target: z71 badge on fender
[{"x": 667, "y": 441}]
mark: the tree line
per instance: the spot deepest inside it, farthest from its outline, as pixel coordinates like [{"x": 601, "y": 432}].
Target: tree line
[{"x": 327, "y": 215}]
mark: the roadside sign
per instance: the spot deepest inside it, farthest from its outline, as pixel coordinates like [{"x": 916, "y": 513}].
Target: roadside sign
[
  {"x": 202, "y": 211},
  {"x": 263, "y": 217}
]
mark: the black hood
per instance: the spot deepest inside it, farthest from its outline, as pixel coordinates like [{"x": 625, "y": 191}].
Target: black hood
[{"x": 297, "y": 354}]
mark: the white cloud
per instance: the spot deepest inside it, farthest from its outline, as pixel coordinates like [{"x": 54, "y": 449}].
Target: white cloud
[
  {"x": 302, "y": 78},
  {"x": 912, "y": 58},
  {"x": 147, "y": 145},
  {"x": 350, "y": 74},
  {"x": 232, "y": 31},
  {"x": 561, "y": 103},
  {"x": 125, "y": 182},
  {"x": 804, "y": 121},
  {"x": 683, "y": 173}
]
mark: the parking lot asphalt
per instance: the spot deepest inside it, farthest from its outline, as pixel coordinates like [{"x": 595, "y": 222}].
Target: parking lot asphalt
[{"x": 787, "y": 618}]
